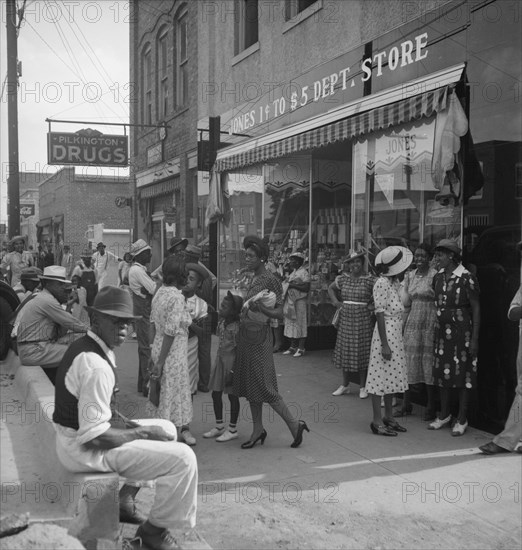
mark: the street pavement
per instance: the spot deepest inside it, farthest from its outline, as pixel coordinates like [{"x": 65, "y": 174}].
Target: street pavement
[{"x": 344, "y": 487}]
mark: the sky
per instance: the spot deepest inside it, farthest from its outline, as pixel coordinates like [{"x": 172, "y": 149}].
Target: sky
[{"x": 75, "y": 66}]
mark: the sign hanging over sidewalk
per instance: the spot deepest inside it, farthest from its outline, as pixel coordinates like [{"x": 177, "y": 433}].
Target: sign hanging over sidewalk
[{"x": 87, "y": 148}]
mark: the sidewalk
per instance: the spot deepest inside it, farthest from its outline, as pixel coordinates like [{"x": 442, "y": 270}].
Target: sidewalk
[{"x": 344, "y": 487}]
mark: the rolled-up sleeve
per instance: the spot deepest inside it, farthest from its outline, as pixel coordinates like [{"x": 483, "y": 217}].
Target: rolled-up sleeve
[{"x": 91, "y": 380}]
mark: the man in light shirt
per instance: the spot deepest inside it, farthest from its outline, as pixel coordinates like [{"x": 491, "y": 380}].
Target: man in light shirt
[
  {"x": 101, "y": 261},
  {"x": 43, "y": 324},
  {"x": 143, "y": 450},
  {"x": 67, "y": 261},
  {"x": 142, "y": 288}
]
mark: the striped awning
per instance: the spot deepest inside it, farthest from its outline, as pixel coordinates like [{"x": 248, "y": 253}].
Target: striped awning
[
  {"x": 400, "y": 112},
  {"x": 160, "y": 188}
]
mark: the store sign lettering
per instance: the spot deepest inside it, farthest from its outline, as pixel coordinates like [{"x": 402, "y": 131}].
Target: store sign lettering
[
  {"x": 400, "y": 144},
  {"x": 406, "y": 53}
]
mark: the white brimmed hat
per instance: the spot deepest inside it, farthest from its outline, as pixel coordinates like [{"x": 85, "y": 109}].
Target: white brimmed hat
[
  {"x": 395, "y": 258},
  {"x": 55, "y": 273},
  {"x": 139, "y": 246}
]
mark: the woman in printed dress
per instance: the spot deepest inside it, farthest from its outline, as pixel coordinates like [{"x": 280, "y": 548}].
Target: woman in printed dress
[
  {"x": 456, "y": 335},
  {"x": 419, "y": 329},
  {"x": 254, "y": 373},
  {"x": 170, "y": 320},
  {"x": 296, "y": 323},
  {"x": 387, "y": 368},
  {"x": 354, "y": 333}
]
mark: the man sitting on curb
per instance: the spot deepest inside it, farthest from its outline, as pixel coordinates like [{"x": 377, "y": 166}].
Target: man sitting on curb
[
  {"x": 507, "y": 440},
  {"x": 43, "y": 324},
  {"x": 146, "y": 450}
]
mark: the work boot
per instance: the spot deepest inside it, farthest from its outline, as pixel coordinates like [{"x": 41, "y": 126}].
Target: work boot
[
  {"x": 128, "y": 511},
  {"x": 155, "y": 538}
]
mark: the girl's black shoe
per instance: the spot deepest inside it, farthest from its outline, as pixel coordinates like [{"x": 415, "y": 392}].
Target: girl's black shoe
[
  {"x": 382, "y": 430},
  {"x": 249, "y": 444},
  {"x": 299, "y": 436}
]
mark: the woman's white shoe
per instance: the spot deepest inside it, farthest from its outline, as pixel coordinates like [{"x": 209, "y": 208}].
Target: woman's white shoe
[
  {"x": 459, "y": 429},
  {"x": 437, "y": 424},
  {"x": 227, "y": 436},
  {"x": 214, "y": 432},
  {"x": 363, "y": 394},
  {"x": 341, "y": 390}
]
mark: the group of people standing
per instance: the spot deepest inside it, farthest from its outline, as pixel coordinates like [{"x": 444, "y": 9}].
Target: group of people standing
[{"x": 405, "y": 327}]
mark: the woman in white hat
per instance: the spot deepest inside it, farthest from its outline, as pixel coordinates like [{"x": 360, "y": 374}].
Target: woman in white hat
[
  {"x": 15, "y": 261},
  {"x": 355, "y": 328},
  {"x": 387, "y": 369},
  {"x": 296, "y": 305}
]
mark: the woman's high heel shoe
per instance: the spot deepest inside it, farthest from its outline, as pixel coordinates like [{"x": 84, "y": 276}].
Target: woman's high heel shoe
[
  {"x": 382, "y": 430},
  {"x": 249, "y": 444},
  {"x": 394, "y": 425},
  {"x": 299, "y": 436}
]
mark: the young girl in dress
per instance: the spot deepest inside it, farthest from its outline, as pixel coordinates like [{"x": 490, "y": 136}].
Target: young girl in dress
[{"x": 221, "y": 378}]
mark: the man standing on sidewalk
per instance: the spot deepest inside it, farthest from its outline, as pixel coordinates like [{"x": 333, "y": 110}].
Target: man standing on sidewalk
[
  {"x": 145, "y": 450},
  {"x": 101, "y": 261},
  {"x": 142, "y": 288}
]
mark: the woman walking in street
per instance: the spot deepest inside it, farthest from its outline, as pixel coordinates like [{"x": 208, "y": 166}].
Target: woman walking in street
[
  {"x": 419, "y": 329},
  {"x": 354, "y": 333},
  {"x": 456, "y": 334},
  {"x": 254, "y": 374},
  {"x": 387, "y": 368}
]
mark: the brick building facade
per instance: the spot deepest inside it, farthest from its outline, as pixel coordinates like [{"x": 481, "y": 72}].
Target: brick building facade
[
  {"x": 164, "y": 80},
  {"x": 70, "y": 203}
]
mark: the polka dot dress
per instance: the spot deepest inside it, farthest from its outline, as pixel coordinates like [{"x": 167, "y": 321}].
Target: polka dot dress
[
  {"x": 384, "y": 376},
  {"x": 454, "y": 366}
]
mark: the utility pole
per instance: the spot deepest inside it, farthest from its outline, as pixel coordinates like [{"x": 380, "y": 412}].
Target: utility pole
[
  {"x": 13, "y": 180},
  {"x": 214, "y": 128}
]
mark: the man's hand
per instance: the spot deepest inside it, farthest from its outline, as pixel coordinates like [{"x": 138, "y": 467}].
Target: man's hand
[{"x": 155, "y": 433}]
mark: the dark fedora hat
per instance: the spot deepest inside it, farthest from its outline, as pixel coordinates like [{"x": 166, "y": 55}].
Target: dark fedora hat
[
  {"x": 177, "y": 241},
  {"x": 113, "y": 301}
]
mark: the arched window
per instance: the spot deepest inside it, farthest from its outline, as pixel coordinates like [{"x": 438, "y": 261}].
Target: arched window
[
  {"x": 146, "y": 80},
  {"x": 162, "y": 63},
  {"x": 182, "y": 57}
]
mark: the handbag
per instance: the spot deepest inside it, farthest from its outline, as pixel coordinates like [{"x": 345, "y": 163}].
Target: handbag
[
  {"x": 336, "y": 317},
  {"x": 252, "y": 332},
  {"x": 154, "y": 391}
]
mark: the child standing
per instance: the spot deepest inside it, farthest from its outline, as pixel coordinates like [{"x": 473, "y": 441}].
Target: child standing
[
  {"x": 198, "y": 309},
  {"x": 79, "y": 301},
  {"x": 221, "y": 378}
]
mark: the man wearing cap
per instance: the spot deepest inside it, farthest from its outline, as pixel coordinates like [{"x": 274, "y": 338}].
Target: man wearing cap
[
  {"x": 144, "y": 450},
  {"x": 43, "y": 324},
  {"x": 101, "y": 261},
  {"x": 177, "y": 246},
  {"x": 14, "y": 261},
  {"x": 142, "y": 288},
  {"x": 29, "y": 281}
]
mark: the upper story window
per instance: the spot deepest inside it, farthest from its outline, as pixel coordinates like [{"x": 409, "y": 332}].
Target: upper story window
[
  {"x": 294, "y": 7},
  {"x": 162, "y": 74},
  {"x": 182, "y": 76},
  {"x": 146, "y": 76},
  {"x": 247, "y": 24}
]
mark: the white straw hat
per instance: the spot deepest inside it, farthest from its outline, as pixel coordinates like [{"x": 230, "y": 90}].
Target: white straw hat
[{"x": 395, "y": 258}]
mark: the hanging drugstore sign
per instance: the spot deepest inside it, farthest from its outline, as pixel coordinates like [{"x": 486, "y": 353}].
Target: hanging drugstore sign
[
  {"x": 342, "y": 83},
  {"x": 87, "y": 148}
]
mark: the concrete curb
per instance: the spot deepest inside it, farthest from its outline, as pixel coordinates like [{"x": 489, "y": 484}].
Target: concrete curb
[{"x": 89, "y": 502}]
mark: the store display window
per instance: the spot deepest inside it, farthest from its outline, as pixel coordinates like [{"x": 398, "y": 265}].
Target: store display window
[{"x": 395, "y": 199}]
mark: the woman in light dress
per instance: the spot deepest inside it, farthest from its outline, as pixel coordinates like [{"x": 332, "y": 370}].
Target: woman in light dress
[
  {"x": 170, "y": 320},
  {"x": 387, "y": 367}
]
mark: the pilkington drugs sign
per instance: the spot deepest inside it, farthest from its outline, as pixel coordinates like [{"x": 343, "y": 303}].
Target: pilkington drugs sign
[{"x": 87, "y": 148}]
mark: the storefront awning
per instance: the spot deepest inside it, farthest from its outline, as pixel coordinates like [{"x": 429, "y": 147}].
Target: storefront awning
[
  {"x": 160, "y": 188},
  {"x": 44, "y": 223},
  {"x": 58, "y": 219},
  {"x": 367, "y": 115}
]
